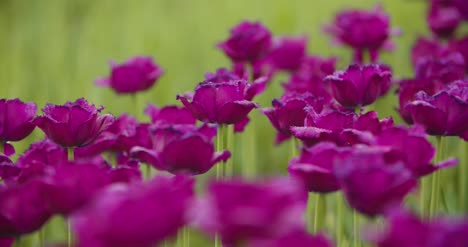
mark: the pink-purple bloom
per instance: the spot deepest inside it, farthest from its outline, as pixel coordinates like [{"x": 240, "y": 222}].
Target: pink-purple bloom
[
  {"x": 240, "y": 210},
  {"x": 136, "y": 74},
  {"x": 445, "y": 113},
  {"x": 16, "y": 122},
  {"x": 181, "y": 149},
  {"x": 443, "y": 17},
  {"x": 363, "y": 31},
  {"x": 249, "y": 41},
  {"x": 74, "y": 124},
  {"x": 222, "y": 102},
  {"x": 359, "y": 85},
  {"x": 141, "y": 214},
  {"x": 288, "y": 53}
]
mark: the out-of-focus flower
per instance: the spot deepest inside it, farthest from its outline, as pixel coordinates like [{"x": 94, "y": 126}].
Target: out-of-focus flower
[
  {"x": 314, "y": 167},
  {"x": 240, "y": 211},
  {"x": 443, "y": 18},
  {"x": 288, "y": 53},
  {"x": 444, "y": 114},
  {"x": 142, "y": 214},
  {"x": 358, "y": 85},
  {"x": 16, "y": 122},
  {"x": 363, "y": 31},
  {"x": 222, "y": 103},
  {"x": 445, "y": 68},
  {"x": 249, "y": 41},
  {"x": 43, "y": 152},
  {"x": 289, "y": 111},
  {"x": 23, "y": 209},
  {"x": 461, "y": 46},
  {"x": 75, "y": 124},
  {"x": 170, "y": 152},
  {"x": 136, "y": 74},
  {"x": 169, "y": 115},
  {"x": 370, "y": 183},
  {"x": 6, "y": 242}
]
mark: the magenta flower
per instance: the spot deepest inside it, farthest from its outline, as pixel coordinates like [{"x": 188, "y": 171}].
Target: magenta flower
[
  {"x": 370, "y": 183},
  {"x": 445, "y": 68},
  {"x": 445, "y": 113},
  {"x": 294, "y": 238},
  {"x": 358, "y": 85},
  {"x": 43, "y": 152},
  {"x": 23, "y": 209},
  {"x": 426, "y": 47},
  {"x": 289, "y": 111},
  {"x": 222, "y": 103},
  {"x": 443, "y": 18},
  {"x": 169, "y": 115},
  {"x": 142, "y": 214},
  {"x": 461, "y": 46},
  {"x": 6, "y": 242},
  {"x": 74, "y": 124},
  {"x": 136, "y": 74},
  {"x": 288, "y": 53},
  {"x": 363, "y": 31},
  {"x": 16, "y": 122},
  {"x": 314, "y": 167},
  {"x": 418, "y": 158},
  {"x": 170, "y": 152},
  {"x": 239, "y": 211},
  {"x": 73, "y": 185},
  {"x": 249, "y": 41}
]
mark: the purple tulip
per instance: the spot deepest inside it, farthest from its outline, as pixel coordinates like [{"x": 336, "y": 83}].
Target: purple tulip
[
  {"x": 249, "y": 41},
  {"x": 169, "y": 115},
  {"x": 370, "y": 183},
  {"x": 445, "y": 113},
  {"x": 142, "y": 214},
  {"x": 23, "y": 209},
  {"x": 362, "y": 30},
  {"x": 445, "y": 68},
  {"x": 75, "y": 124},
  {"x": 289, "y": 111},
  {"x": 16, "y": 122},
  {"x": 73, "y": 185},
  {"x": 418, "y": 158},
  {"x": 288, "y": 53},
  {"x": 126, "y": 171},
  {"x": 358, "y": 85},
  {"x": 461, "y": 46},
  {"x": 424, "y": 48},
  {"x": 8, "y": 170},
  {"x": 170, "y": 152},
  {"x": 314, "y": 167},
  {"x": 43, "y": 152},
  {"x": 6, "y": 242},
  {"x": 136, "y": 74},
  {"x": 222, "y": 103},
  {"x": 239, "y": 211},
  {"x": 294, "y": 238},
  {"x": 443, "y": 18}
]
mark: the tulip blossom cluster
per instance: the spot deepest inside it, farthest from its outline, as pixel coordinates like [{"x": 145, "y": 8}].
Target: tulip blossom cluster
[{"x": 88, "y": 167}]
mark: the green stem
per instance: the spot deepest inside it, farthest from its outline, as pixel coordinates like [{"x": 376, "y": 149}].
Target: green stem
[
  {"x": 356, "y": 228},
  {"x": 249, "y": 162},
  {"x": 71, "y": 154},
  {"x": 148, "y": 171},
  {"x": 310, "y": 213},
  {"x": 186, "y": 237},
  {"x": 17, "y": 242},
  {"x": 217, "y": 241},
  {"x": 41, "y": 235},
  {"x": 463, "y": 179},
  {"x": 219, "y": 148},
  {"x": 424, "y": 196},
  {"x": 2, "y": 147},
  {"x": 320, "y": 212},
  {"x": 69, "y": 235},
  {"x": 339, "y": 220},
  {"x": 435, "y": 179},
  {"x": 294, "y": 147}
]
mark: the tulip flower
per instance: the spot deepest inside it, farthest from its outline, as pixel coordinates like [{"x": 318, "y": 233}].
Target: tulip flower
[
  {"x": 135, "y": 75},
  {"x": 443, "y": 18},
  {"x": 16, "y": 122},
  {"x": 75, "y": 124},
  {"x": 288, "y": 53}
]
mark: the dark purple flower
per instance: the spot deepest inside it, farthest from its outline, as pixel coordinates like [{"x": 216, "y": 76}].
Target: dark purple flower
[
  {"x": 417, "y": 159},
  {"x": 74, "y": 124},
  {"x": 362, "y": 30},
  {"x": 6, "y": 242},
  {"x": 294, "y": 238},
  {"x": 222, "y": 103},
  {"x": 72, "y": 185},
  {"x": 461, "y": 46},
  {"x": 425, "y": 47},
  {"x": 445, "y": 68},
  {"x": 249, "y": 41},
  {"x": 136, "y": 74},
  {"x": 170, "y": 152},
  {"x": 445, "y": 113},
  {"x": 239, "y": 210},
  {"x": 358, "y": 85},
  {"x": 288, "y": 53},
  {"x": 169, "y": 115},
  {"x": 370, "y": 183},
  {"x": 8, "y": 170},
  {"x": 43, "y": 152},
  {"x": 289, "y": 111},
  {"x": 443, "y": 18},
  {"x": 126, "y": 171},
  {"x": 23, "y": 209},
  {"x": 142, "y": 214},
  {"x": 449, "y": 232},
  {"x": 16, "y": 122},
  {"x": 314, "y": 167}
]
